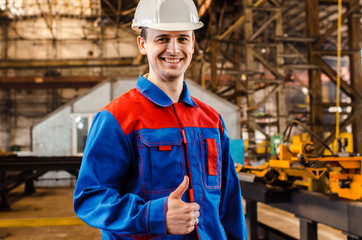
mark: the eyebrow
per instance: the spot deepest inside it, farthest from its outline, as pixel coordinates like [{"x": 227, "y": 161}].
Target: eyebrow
[{"x": 168, "y": 35}]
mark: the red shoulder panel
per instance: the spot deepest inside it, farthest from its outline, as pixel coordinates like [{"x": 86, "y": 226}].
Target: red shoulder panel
[{"x": 133, "y": 112}]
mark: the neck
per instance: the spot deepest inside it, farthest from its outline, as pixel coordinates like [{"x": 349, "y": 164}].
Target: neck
[{"x": 172, "y": 87}]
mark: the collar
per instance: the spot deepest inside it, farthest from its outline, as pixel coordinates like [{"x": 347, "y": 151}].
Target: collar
[{"x": 158, "y": 97}]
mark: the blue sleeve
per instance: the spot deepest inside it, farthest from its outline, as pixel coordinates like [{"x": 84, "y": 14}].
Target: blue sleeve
[
  {"x": 231, "y": 207},
  {"x": 103, "y": 174}
]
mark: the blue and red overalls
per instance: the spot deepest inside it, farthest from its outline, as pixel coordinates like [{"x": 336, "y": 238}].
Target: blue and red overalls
[{"x": 138, "y": 151}]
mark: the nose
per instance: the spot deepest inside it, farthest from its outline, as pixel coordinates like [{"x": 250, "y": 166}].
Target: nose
[{"x": 173, "y": 47}]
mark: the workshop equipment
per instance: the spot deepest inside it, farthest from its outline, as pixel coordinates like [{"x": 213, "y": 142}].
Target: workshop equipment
[{"x": 299, "y": 161}]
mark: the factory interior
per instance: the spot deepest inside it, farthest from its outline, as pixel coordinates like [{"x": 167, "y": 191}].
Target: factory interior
[{"x": 285, "y": 75}]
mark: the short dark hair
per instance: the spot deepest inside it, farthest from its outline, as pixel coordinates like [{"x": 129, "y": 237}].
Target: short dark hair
[{"x": 143, "y": 33}]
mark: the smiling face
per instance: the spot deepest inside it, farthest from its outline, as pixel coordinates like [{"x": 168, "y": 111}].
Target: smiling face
[{"x": 169, "y": 53}]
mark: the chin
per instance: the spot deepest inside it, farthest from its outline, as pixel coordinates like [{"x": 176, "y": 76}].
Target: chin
[{"x": 173, "y": 75}]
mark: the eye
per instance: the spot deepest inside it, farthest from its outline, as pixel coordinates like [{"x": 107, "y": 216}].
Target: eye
[
  {"x": 162, "y": 40},
  {"x": 183, "y": 39}
]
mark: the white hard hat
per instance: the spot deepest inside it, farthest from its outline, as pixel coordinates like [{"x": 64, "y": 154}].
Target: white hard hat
[{"x": 166, "y": 15}]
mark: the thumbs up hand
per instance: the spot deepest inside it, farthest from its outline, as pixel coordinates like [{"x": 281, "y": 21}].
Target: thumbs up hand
[{"x": 181, "y": 217}]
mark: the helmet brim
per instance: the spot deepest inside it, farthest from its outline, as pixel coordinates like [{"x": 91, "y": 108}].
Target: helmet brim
[{"x": 169, "y": 26}]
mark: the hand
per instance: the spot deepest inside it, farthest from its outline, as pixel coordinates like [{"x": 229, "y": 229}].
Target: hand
[{"x": 181, "y": 217}]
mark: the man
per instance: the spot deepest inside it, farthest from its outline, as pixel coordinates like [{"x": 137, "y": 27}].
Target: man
[{"x": 157, "y": 163}]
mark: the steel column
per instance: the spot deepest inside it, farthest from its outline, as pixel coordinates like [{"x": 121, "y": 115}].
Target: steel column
[
  {"x": 281, "y": 103},
  {"x": 213, "y": 52},
  {"x": 252, "y": 219},
  {"x": 249, "y": 66},
  {"x": 315, "y": 83},
  {"x": 308, "y": 229},
  {"x": 354, "y": 36}
]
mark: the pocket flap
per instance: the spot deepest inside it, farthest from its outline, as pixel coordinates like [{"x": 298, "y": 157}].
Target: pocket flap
[{"x": 161, "y": 137}]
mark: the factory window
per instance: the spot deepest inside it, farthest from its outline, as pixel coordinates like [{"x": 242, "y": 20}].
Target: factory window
[
  {"x": 82, "y": 8},
  {"x": 81, "y": 126}
]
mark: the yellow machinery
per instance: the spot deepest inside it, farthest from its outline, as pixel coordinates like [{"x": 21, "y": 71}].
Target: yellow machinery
[{"x": 297, "y": 160}]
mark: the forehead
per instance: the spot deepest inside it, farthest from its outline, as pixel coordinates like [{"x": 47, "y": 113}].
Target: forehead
[{"x": 153, "y": 33}]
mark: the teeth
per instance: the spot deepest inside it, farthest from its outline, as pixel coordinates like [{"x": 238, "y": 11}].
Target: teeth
[{"x": 173, "y": 60}]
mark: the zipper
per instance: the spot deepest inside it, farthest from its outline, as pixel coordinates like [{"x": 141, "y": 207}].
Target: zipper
[{"x": 184, "y": 139}]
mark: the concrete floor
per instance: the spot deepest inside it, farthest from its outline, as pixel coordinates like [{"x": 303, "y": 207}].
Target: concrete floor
[{"x": 49, "y": 205}]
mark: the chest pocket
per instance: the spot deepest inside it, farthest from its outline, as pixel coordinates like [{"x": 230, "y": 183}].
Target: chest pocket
[
  {"x": 211, "y": 161},
  {"x": 161, "y": 164}
]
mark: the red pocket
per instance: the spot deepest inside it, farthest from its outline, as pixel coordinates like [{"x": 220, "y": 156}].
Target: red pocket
[{"x": 211, "y": 156}]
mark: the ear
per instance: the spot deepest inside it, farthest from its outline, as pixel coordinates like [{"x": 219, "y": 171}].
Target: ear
[{"x": 141, "y": 45}]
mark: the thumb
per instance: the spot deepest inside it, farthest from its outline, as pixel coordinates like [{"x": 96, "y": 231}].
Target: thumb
[{"x": 181, "y": 189}]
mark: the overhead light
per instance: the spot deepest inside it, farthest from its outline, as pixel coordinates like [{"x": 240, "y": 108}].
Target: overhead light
[
  {"x": 334, "y": 109},
  {"x": 305, "y": 90}
]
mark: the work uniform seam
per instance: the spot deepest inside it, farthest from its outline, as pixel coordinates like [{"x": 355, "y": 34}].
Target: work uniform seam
[
  {"x": 146, "y": 218},
  {"x": 158, "y": 191},
  {"x": 205, "y": 176},
  {"x": 183, "y": 160},
  {"x": 203, "y": 156},
  {"x": 164, "y": 216},
  {"x": 142, "y": 166},
  {"x": 150, "y": 144},
  {"x": 200, "y": 179}
]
